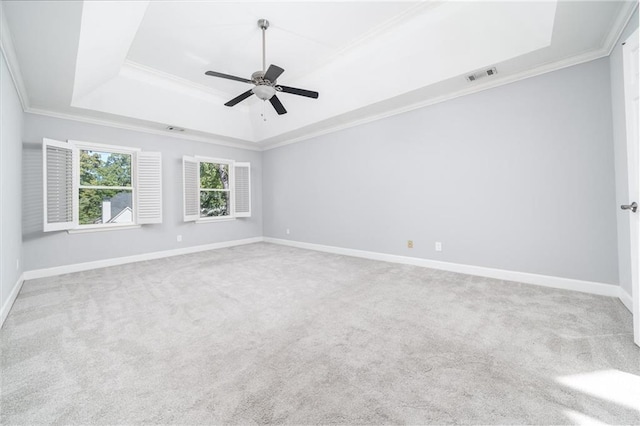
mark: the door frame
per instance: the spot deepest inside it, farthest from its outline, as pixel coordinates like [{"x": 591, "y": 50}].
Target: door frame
[{"x": 631, "y": 89}]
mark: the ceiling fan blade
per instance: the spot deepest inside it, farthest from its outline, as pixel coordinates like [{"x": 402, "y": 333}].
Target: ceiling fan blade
[
  {"x": 239, "y": 99},
  {"x": 273, "y": 73},
  {"x": 277, "y": 105},
  {"x": 227, "y": 76},
  {"x": 300, "y": 92}
]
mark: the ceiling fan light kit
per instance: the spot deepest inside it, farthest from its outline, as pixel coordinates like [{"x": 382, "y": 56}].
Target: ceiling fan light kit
[
  {"x": 265, "y": 81},
  {"x": 264, "y": 92}
]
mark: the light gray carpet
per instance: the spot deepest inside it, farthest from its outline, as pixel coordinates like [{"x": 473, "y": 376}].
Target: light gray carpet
[{"x": 271, "y": 334}]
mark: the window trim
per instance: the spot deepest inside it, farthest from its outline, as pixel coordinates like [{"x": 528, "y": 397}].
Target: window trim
[
  {"x": 61, "y": 195},
  {"x": 231, "y": 190},
  {"x": 108, "y": 227}
]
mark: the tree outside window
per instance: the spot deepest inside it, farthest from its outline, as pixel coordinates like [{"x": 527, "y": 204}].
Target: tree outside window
[
  {"x": 215, "y": 190},
  {"x": 105, "y": 189}
]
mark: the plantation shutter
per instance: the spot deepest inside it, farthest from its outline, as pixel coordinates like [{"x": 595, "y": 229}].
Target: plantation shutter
[
  {"x": 243, "y": 189},
  {"x": 59, "y": 201},
  {"x": 148, "y": 187},
  {"x": 191, "y": 188}
]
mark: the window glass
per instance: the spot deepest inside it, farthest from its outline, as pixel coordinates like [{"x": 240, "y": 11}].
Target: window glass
[
  {"x": 214, "y": 203},
  {"x": 105, "y": 192},
  {"x": 215, "y": 192},
  {"x": 105, "y": 206},
  {"x": 105, "y": 168},
  {"x": 214, "y": 176}
]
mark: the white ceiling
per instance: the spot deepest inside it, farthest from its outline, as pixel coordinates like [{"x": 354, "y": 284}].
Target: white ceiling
[{"x": 141, "y": 64}]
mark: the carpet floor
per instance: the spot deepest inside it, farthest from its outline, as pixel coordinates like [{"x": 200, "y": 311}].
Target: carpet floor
[{"x": 264, "y": 333}]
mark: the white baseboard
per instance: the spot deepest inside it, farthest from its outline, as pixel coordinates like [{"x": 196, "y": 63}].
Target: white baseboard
[
  {"x": 77, "y": 267},
  {"x": 501, "y": 274},
  {"x": 625, "y": 298},
  {"x": 12, "y": 298}
]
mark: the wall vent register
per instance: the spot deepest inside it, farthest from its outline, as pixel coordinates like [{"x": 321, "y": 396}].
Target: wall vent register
[{"x": 481, "y": 74}]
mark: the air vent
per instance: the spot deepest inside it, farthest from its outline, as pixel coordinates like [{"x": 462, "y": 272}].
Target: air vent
[
  {"x": 175, "y": 129},
  {"x": 481, "y": 74}
]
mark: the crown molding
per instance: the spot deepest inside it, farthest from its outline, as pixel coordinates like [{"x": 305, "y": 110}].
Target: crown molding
[
  {"x": 607, "y": 46},
  {"x": 144, "y": 129},
  {"x": 620, "y": 23},
  {"x": 504, "y": 80},
  {"x": 9, "y": 53},
  {"x": 162, "y": 76}
]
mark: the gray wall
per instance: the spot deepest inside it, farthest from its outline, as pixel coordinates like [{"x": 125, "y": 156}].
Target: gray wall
[
  {"x": 11, "y": 117},
  {"x": 42, "y": 250},
  {"x": 520, "y": 177},
  {"x": 620, "y": 149}
]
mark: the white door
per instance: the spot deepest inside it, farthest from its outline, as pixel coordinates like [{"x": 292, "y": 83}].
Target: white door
[{"x": 631, "y": 83}]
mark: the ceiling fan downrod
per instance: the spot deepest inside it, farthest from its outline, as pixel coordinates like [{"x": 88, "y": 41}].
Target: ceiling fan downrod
[{"x": 264, "y": 24}]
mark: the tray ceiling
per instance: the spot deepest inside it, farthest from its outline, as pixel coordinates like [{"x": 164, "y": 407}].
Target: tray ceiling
[{"x": 141, "y": 63}]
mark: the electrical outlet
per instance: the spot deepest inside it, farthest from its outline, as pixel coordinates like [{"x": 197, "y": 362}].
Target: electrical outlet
[
  {"x": 179, "y": 238},
  {"x": 410, "y": 244},
  {"x": 438, "y": 246},
  {"x": 288, "y": 232}
]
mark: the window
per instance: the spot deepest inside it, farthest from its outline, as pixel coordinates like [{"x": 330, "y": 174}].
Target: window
[
  {"x": 92, "y": 186},
  {"x": 105, "y": 192},
  {"x": 215, "y": 189}
]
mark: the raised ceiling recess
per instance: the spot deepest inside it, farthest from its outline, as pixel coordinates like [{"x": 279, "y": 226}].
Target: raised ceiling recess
[{"x": 142, "y": 64}]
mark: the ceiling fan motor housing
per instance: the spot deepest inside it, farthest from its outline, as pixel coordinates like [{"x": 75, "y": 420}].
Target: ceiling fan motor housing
[{"x": 257, "y": 77}]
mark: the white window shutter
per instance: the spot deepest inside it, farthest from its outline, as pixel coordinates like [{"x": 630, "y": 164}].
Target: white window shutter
[
  {"x": 148, "y": 187},
  {"x": 59, "y": 160},
  {"x": 191, "y": 188},
  {"x": 243, "y": 189}
]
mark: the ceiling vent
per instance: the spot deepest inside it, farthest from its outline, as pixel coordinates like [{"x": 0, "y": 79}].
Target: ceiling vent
[
  {"x": 481, "y": 74},
  {"x": 175, "y": 129}
]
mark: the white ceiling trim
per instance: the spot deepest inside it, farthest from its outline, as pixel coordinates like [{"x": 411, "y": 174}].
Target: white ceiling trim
[
  {"x": 608, "y": 44},
  {"x": 619, "y": 25},
  {"x": 9, "y": 53},
  {"x": 455, "y": 28},
  {"x": 479, "y": 87},
  {"x": 555, "y": 66},
  {"x": 141, "y": 128},
  {"x": 137, "y": 94},
  {"x": 108, "y": 85},
  {"x": 173, "y": 80}
]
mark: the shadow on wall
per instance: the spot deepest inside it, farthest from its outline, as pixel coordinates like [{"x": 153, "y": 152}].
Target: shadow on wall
[{"x": 32, "y": 215}]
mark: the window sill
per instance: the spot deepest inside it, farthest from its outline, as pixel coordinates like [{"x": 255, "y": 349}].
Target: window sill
[
  {"x": 84, "y": 230},
  {"x": 216, "y": 219}
]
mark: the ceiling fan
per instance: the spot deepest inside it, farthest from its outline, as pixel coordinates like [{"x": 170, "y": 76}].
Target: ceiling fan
[{"x": 265, "y": 81}]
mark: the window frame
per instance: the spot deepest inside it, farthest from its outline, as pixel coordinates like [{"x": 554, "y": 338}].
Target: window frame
[
  {"x": 231, "y": 191},
  {"x": 116, "y": 149}
]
